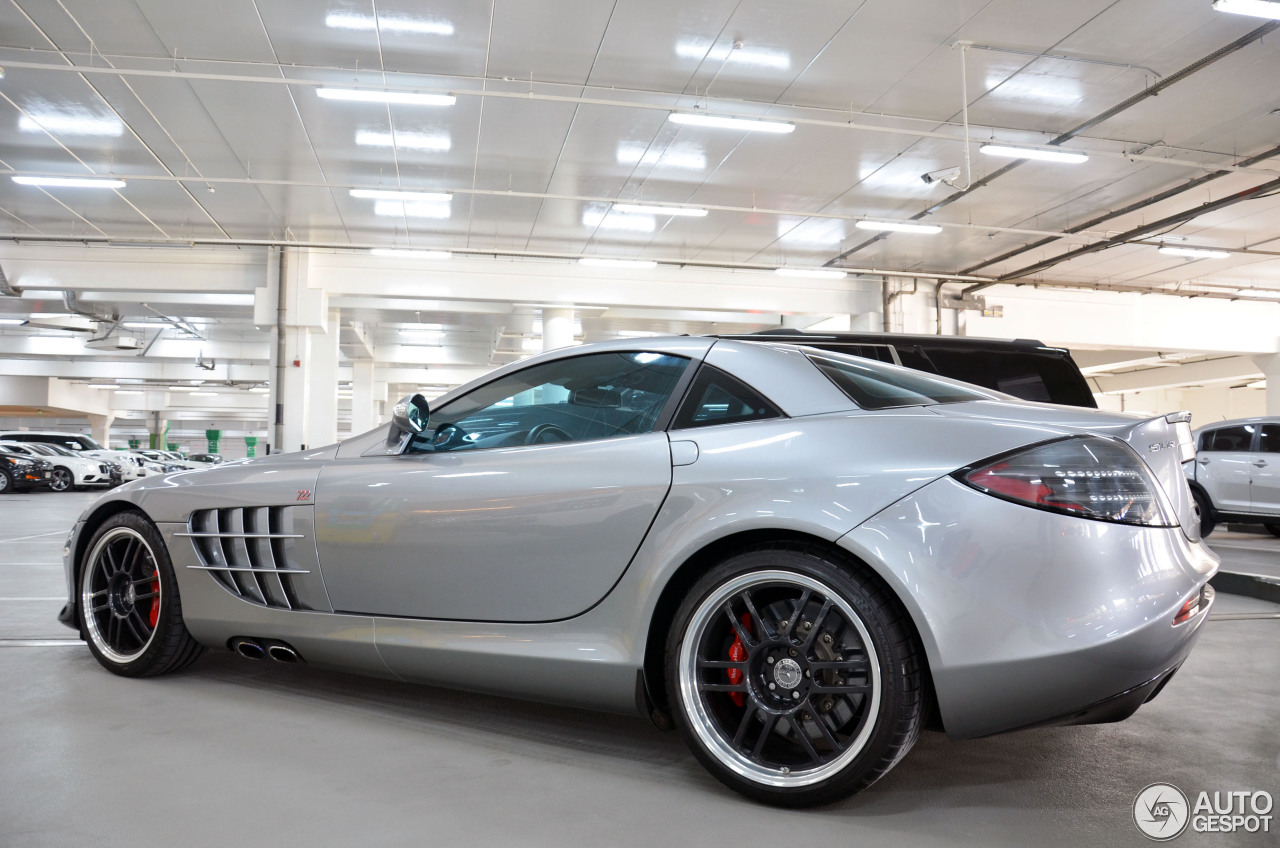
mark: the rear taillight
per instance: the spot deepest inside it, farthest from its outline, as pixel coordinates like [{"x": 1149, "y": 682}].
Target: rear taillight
[
  {"x": 1086, "y": 476},
  {"x": 1197, "y": 602}
]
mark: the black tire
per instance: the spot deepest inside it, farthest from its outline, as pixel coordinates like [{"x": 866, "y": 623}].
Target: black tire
[
  {"x": 1208, "y": 517},
  {"x": 128, "y": 604},
  {"x": 1273, "y": 529},
  {"x": 62, "y": 480},
  {"x": 6, "y": 483},
  {"x": 819, "y": 709}
]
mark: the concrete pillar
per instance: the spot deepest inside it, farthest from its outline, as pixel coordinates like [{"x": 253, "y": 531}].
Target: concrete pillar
[
  {"x": 322, "y": 384},
  {"x": 557, "y": 328},
  {"x": 1270, "y": 366},
  {"x": 364, "y": 414},
  {"x": 101, "y": 428}
]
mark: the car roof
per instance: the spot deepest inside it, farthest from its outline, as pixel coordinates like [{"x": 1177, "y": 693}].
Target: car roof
[
  {"x": 964, "y": 342},
  {"x": 1235, "y": 422}
]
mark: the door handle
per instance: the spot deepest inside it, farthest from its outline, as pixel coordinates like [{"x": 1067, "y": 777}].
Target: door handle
[
  {"x": 1204, "y": 460},
  {"x": 1259, "y": 463}
]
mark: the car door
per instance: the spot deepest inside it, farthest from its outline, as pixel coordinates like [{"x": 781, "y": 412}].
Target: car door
[
  {"x": 1264, "y": 482},
  {"x": 1225, "y": 466},
  {"x": 524, "y": 500}
]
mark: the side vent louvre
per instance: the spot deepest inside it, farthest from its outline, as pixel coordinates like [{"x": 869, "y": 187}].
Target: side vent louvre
[{"x": 250, "y": 551}]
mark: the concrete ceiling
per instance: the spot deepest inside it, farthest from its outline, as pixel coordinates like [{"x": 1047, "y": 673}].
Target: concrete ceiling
[{"x": 215, "y": 121}]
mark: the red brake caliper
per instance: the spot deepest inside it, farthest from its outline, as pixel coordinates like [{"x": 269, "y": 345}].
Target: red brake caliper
[
  {"x": 738, "y": 653},
  {"x": 155, "y": 600}
]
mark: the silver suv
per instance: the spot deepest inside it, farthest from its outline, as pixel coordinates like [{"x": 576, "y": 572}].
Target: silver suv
[{"x": 1236, "y": 473}]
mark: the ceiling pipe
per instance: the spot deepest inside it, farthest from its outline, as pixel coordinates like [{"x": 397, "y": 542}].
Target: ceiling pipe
[
  {"x": 1150, "y": 91},
  {"x": 1125, "y": 210},
  {"x": 1137, "y": 233}
]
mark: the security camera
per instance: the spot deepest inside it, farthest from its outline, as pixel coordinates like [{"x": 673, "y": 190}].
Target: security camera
[{"x": 945, "y": 175}]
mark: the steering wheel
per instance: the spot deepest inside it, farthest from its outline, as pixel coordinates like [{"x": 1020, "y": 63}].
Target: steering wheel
[{"x": 536, "y": 435}]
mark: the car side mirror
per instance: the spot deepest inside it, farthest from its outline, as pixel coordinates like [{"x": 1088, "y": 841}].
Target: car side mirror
[{"x": 410, "y": 414}]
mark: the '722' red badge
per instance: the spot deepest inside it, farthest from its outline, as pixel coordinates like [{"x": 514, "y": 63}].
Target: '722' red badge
[{"x": 304, "y": 494}]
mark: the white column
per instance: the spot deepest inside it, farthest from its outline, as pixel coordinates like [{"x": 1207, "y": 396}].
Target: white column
[
  {"x": 101, "y": 428},
  {"x": 293, "y": 391},
  {"x": 322, "y": 384},
  {"x": 364, "y": 415},
  {"x": 1270, "y": 366},
  {"x": 557, "y": 328}
]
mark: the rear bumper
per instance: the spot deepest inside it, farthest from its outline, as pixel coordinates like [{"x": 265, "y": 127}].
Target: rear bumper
[{"x": 1031, "y": 618}]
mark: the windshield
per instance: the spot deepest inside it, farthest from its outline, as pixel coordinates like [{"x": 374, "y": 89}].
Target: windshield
[{"x": 875, "y": 385}]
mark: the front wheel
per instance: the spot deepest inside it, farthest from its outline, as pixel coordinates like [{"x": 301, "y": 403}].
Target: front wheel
[
  {"x": 129, "y": 608},
  {"x": 61, "y": 480},
  {"x": 795, "y": 680}
]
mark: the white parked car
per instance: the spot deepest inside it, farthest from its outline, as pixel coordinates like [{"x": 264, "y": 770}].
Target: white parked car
[
  {"x": 131, "y": 467},
  {"x": 70, "y": 471},
  {"x": 1236, "y": 473}
]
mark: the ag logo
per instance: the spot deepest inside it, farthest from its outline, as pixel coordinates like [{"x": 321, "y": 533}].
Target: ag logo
[{"x": 1161, "y": 811}]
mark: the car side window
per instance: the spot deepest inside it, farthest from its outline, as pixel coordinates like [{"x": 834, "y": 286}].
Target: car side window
[
  {"x": 719, "y": 398},
  {"x": 597, "y": 396},
  {"x": 1269, "y": 438},
  {"x": 1238, "y": 438}
]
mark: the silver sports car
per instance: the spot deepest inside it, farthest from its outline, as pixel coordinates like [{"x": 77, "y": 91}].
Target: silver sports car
[{"x": 797, "y": 557}]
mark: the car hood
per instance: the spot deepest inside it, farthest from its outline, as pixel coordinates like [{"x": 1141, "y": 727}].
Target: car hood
[{"x": 1163, "y": 442}]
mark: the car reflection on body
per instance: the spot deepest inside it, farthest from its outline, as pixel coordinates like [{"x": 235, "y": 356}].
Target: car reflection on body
[{"x": 797, "y": 557}]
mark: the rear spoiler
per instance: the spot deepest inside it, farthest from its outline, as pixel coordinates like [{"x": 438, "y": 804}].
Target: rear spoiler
[{"x": 1181, "y": 422}]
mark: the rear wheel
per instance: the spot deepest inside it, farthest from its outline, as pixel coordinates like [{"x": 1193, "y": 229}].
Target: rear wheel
[
  {"x": 1207, "y": 518},
  {"x": 129, "y": 608},
  {"x": 795, "y": 680},
  {"x": 61, "y": 480}
]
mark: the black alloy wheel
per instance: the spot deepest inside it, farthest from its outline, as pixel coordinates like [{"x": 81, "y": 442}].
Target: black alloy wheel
[
  {"x": 795, "y": 678},
  {"x": 129, "y": 608},
  {"x": 1208, "y": 520},
  {"x": 61, "y": 479}
]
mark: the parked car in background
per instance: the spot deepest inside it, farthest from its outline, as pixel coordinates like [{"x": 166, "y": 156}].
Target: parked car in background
[
  {"x": 70, "y": 470},
  {"x": 1024, "y": 368},
  {"x": 795, "y": 556},
  {"x": 206, "y": 458},
  {"x": 1236, "y": 473},
  {"x": 20, "y": 473},
  {"x": 132, "y": 467},
  {"x": 167, "y": 460}
]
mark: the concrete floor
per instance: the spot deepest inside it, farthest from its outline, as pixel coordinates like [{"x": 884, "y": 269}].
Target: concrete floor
[{"x": 234, "y": 753}]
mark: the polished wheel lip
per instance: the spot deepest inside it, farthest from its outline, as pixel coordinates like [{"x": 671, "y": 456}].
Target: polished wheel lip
[
  {"x": 92, "y": 627},
  {"x": 704, "y": 726}
]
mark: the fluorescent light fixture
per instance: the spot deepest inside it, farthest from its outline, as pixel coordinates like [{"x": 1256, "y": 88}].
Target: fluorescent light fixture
[
  {"x": 683, "y": 156},
  {"x": 388, "y": 194},
  {"x": 1258, "y": 292},
  {"x": 128, "y": 392},
  {"x": 898, "y": 227},
  {"x": 394, "y": 208},
  {"x": 404, "y": 140},
  {"x": 1252, "y": 8},
  {"x": 812, "y": 273},
  {"x": 144, "y": 325},
  {"x": 603, "y": 262},
  {"x": 602, "y": 219},
  {"x": 645, "y": 209},
  {"x": 706, "y": 51},
  {"x": 260, "y": 390},
  {"x": 387, "y": 23},
  {"x": 727, "y": 123},
  {"x": 1033, "y": 153},
  {"x": 107, "y": 386},
  {"x": 202, "y": 394},
  {"x": 52, "y": 122},
  {"x": 9, "y": 322},
  {"x": 370, "y": 95},
  {"x": 183, "y": 388},
  {"x": 411, "y": 254},
  {"x": 1194, "y": 252},
  {"x": 69, "y": 182}
]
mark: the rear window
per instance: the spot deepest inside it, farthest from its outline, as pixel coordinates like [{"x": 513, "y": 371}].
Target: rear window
[
  {"x": 874, "y": 386},
  {"x": 1045, "y": 377}
]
